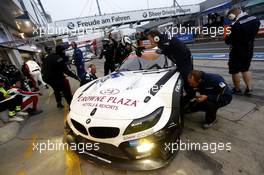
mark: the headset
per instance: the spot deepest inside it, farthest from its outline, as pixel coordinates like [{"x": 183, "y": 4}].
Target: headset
[
  {"x": 232, "y": 17},
  {"x": 156, "y": 38}
]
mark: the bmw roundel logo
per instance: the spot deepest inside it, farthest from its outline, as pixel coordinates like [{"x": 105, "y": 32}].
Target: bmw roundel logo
[
  {"x": 70, "y": 25},
  {"x": 88, "y": 121},
  {"x": 145, "y": 14}
]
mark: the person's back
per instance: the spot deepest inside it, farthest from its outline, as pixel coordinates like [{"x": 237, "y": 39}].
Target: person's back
[
  {"x": 32, "y": 65},
  {"x": 177, "y": 52},
  {"x": 78, "y": 57},
  {"x": 51, "y": 67},
  {"x": 246, "y": 26}
]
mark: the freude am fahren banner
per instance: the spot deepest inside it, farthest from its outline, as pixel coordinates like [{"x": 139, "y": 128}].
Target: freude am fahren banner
[{"x": 126, "y": 17}]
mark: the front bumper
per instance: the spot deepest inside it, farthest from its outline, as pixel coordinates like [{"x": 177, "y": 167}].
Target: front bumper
[{"x": 125, "y": 157}]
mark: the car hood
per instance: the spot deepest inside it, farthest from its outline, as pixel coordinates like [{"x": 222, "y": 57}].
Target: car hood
[{"x": 120, "y": 95}]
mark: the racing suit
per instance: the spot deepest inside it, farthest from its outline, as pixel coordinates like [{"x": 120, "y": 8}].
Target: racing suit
[
  {"x": 218, "y": 93},
  {"x": 11, "y": 103},
  {"x": 30, "y": 99},
  {"x": 33, "y": 71}
]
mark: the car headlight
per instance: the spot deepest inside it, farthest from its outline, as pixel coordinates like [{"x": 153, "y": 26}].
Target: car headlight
[
  {"x": 144, "y": 147},
  {"x": 144, "y": 123}
]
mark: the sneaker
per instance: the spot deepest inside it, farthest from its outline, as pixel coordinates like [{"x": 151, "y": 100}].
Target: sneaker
[
  {"x": 16, "y": 118},
  {"x": 248, "y": 92},
  {"x": 236, "y": 92},
  {"x": 209, "y": 125},
  {"x": 23, "y": 114}
]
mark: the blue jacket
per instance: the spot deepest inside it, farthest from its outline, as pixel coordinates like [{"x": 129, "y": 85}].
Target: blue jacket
[
  {"x": 215, "y": 87},
  {"x": 78, "y": 57}
]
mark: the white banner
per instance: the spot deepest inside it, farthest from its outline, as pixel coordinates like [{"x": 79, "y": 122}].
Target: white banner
[{"x": 126, "y": 17}]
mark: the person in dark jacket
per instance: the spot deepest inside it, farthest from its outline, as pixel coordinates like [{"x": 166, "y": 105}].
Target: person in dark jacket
[
  {"x": 123, "y": 50},
  {"x": 78, "y": 60},
  {"x": 241, "y": 42},
  {"x": 109, "y": 48},
  {"x": 90, "y": 75},
  {"x": 53, "y": 68},
  {"x": 176, "y": 51},
  {"x": 214, "y": 94}
]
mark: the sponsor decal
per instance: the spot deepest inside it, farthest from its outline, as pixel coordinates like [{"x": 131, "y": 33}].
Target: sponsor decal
[
  {"x": 107, "y": 102},
  {"x": 116, "y": 75},
  {"x": 110, "y": 91},
  {"x": 93, "y": 22},
  {"x": 139, "y": 135}
]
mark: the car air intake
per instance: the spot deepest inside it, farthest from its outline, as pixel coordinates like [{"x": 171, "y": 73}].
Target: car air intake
[
  {"x": 79, "y": 127},
  {"x": 104, "y": 132}
]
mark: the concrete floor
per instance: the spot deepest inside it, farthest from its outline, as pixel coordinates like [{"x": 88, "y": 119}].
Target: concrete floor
[{"x": 240, "y": 123}]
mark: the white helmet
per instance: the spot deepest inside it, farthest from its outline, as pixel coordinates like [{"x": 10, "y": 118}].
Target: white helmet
[{"x": 126, "y": 41}]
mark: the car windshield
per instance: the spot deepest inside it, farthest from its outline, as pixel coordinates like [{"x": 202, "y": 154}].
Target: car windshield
[{"x": 148, "y": 61}]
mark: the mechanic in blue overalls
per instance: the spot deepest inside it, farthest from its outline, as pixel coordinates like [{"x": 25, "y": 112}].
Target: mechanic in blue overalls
[
  {"x": 213, "y": 91},
  {"x": 78, "y": 60}
]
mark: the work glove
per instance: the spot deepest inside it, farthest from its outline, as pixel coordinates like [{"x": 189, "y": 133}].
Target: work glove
[{"x": 139, "y": 51}]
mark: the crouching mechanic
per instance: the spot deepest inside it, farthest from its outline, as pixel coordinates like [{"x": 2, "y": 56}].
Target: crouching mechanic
[
  {"x": 30, "y": 99},
  {"x": 11, "y": 103},
  {"x": 214, "y": 94}
]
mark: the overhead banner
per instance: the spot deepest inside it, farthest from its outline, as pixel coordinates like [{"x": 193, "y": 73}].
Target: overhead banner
[{"x": 93, "y": 22}]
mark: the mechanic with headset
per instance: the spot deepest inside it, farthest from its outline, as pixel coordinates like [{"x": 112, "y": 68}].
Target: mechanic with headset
[
  {"x": 214, "y": 94},
  {"x": 241, "y": 41},
  {"x": 176, "y": 51}
]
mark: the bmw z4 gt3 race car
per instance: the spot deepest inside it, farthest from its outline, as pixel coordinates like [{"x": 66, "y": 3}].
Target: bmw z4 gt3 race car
[{"x": 129, "y": 116}]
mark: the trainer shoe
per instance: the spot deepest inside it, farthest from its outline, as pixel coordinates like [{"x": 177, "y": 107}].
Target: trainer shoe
[
  {"x": 236, "y": 92},
  {"x": 16, "y": 118},
  {"x": 209, "y": 125},
  {"x": 23, "y": 114},
  {"x": 248, "y": 92}
]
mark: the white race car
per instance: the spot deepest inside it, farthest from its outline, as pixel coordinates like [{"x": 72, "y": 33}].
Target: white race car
[{"x": 129, "y": 117}]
